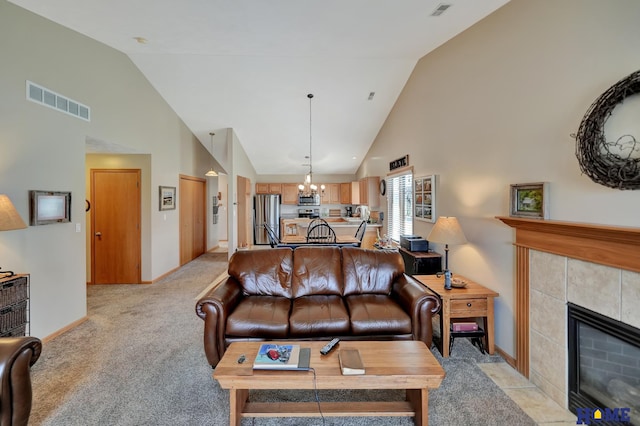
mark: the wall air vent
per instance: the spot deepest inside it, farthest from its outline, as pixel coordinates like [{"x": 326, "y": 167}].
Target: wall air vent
[
  {"x": 441, "y": 9},
  {"x": 51, "y": 99}
]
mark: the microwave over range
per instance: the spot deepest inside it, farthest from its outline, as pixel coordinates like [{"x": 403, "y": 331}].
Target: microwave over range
[{"x": 309, "y": 200}]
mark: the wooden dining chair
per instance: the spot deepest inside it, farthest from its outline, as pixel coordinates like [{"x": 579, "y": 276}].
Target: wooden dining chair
[
  {"x": 271, "y": 235},
  {"x": 316, "y": 221},
  {"x": 360, "y": 233},
  {"x": 321, "y": 233}
]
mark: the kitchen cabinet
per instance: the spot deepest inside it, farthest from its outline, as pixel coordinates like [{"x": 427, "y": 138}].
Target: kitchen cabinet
[
  {"x": 369, "y": 188},
  {"x": 350, "y": 193},
  {"x": 290, "y": 194},
  {"x": 345, "y": 193},
  {"x": 331, "y": 193},
  {"x": 268, "y": 188}
]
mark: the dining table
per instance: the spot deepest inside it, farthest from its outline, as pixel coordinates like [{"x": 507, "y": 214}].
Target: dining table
[{"x": 341, "y": 240}]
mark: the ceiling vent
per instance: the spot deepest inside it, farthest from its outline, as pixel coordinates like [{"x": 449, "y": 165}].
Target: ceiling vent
[
  {"x": 51, "y": 99},
  {"x": 442, "y": 7}
]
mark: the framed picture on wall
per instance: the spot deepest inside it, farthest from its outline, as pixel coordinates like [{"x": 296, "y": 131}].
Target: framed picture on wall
[
  {"x": 424, "y": 196},
  {"x": 167, "y": 197},
  {"x": 529, "y": 200}
]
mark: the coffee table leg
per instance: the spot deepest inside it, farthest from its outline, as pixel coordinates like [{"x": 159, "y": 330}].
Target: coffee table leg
[
  {"x": 237, "y": 400},
  {"x": 419, "y": 399}
]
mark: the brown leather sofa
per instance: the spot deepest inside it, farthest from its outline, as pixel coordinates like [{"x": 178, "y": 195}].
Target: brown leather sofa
[
  {"x": 315, "y": 293},
  {"x": 17, "y": 355}
]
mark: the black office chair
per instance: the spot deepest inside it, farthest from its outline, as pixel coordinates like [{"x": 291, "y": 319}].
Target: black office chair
[
  {"x": 321, "y": 233},
  {"x": 360, "y": 233},
  {"x": 271, "y": 235}
]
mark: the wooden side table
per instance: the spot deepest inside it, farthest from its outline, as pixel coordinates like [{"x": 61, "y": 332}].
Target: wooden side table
[{"x": 473, "y": 301}]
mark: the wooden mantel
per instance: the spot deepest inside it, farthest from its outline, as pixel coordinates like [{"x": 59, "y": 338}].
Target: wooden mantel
[{"x": 614, "y": 246}]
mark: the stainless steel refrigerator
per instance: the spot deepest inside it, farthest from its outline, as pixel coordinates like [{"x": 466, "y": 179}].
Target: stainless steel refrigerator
[{"x": 266, "y": 210}]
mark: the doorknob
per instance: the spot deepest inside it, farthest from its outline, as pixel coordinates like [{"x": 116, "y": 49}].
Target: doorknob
[{"x": 98, "y": 234}]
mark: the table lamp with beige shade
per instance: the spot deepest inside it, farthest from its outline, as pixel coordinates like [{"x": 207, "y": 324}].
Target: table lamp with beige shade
[
  {"x": 9, "y": 220},
  {"x": 447, "y": 231}
]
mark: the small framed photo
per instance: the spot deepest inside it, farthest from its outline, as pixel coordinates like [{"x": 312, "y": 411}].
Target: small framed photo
[
  {"x": 167, "y": 197},
  {"x": 530, "y": 200}
]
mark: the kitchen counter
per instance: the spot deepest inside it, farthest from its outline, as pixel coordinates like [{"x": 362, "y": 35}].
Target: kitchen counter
[
  {"x": 334, "y": 222},
  {"x": 340, "y": 225}
]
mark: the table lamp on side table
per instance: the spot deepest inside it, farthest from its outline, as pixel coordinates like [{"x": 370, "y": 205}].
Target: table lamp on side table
[
  {"x": 447, "y": 231},
  {"x": 9, "y": 220}
]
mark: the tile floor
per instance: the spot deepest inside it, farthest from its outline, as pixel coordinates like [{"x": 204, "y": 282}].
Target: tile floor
[{"x": 542, "y": 409}]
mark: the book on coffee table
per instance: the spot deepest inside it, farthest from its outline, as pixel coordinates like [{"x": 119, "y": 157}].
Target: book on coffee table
[
  {"x": 350, "y": 362},
  {"x": 282, "y": 357}
]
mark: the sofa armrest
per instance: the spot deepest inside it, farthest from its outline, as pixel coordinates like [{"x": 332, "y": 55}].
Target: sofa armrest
[
  {"x": 214, "y": 308},
  {"x": 419, "y": 303},
  {"x": 17, "y": 355}
]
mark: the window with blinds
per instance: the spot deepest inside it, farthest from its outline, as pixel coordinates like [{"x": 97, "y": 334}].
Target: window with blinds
[{"x": 400, "y": 205}]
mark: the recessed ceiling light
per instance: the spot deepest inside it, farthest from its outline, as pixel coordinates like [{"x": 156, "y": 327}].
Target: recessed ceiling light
[
  {"x": 354, "y": 158},
  {"x": 140, "y": 40}
]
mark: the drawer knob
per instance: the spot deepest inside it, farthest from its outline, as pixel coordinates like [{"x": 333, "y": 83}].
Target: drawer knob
[{"x": 469, "y": 304}]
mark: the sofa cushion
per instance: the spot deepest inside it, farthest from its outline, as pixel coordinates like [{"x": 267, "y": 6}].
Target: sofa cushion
[
  {"x": 370, "y": 271},
  {"x": 318, "y": 316},
  {"x": 316, "y": 270},
  {"x": 260, "y": 316},
  {"x": 377, "y": 314},
  {"x": 263, "y": 272}
]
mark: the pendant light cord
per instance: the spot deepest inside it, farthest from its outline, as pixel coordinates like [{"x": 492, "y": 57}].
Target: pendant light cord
[{"x": 310, "y": 96}]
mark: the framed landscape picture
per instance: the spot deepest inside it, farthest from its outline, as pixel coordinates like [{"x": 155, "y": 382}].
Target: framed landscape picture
[
  {"x": 167, "y": 197},
  {"x": 529, "y": 200}
]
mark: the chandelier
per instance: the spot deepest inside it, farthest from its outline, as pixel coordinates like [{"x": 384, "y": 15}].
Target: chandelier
[{"x": 308, "y": 187}]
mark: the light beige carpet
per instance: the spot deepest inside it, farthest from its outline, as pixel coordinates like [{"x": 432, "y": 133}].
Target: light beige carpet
[{"x": 139, "y": 360}]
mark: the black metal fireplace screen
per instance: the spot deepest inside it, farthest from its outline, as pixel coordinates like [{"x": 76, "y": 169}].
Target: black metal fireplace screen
[{"x": 604, "y": 369}]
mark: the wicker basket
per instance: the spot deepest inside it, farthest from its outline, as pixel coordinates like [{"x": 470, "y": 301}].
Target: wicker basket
[
  {"x": 13, "y": 316},
  {"x": 14, "y": 291}
]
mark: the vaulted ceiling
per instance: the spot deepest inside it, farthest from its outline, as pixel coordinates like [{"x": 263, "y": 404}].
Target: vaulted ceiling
[{"x": 249, "y": 65}]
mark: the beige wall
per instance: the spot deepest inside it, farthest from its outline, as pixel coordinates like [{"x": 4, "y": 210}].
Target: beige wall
[
  {"x": 495, "y": 106},
  {"x": 45, "y": 149}
]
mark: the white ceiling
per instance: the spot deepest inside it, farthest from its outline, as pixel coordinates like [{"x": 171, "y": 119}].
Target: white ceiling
[{"x": 249, "y": 65}]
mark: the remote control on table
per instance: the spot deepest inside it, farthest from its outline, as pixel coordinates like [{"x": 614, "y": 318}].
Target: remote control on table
[{"x": 329, "y": 346}]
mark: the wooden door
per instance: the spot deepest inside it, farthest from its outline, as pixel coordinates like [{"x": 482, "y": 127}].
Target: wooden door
[
  {"x": 193, "y": 232},
  {"x": 115, "y": 226},
  {"x": 245, "y": 212}
]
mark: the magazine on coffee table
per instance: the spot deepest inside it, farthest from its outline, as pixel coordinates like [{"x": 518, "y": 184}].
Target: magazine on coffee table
[{"x": 281, "y": 357}]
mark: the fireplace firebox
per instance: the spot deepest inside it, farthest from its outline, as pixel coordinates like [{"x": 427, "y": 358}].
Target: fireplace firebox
[{"x": 604, "y": 366}]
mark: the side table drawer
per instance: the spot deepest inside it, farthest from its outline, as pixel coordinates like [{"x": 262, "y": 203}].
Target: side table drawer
[{"x": 469, "y": 307}]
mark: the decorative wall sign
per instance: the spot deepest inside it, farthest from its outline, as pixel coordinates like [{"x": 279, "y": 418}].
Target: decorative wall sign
[
  {"x": 400, "y": 162},
  {"x": 614, "y": 163},
  {"x": 529, "y": 200}
]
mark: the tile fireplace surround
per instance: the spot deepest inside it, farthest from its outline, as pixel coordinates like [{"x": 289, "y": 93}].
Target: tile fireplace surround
[{"x": 597, "y": 267}]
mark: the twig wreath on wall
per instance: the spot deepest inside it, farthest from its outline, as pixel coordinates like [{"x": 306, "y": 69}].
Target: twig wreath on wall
[{"x": 615, "y": 164}]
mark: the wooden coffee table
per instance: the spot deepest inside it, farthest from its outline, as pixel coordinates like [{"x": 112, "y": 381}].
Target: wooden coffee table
[{"x": 405, "y": 365}]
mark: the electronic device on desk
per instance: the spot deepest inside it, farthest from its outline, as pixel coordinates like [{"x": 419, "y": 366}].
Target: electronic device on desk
[{"x": 414, "y": 243}]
